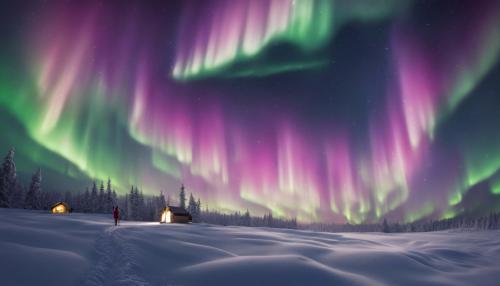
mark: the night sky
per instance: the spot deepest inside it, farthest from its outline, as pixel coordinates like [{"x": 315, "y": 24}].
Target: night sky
[{"x": 345, "y": 111}]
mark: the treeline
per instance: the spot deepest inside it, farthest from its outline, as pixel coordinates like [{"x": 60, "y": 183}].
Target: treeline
[
  {"x": 473, "y": 222},
  {"x": 133, "y": 206},
  {"x": 98, "y": 200},
  {"x": 335, "y": 227},
  {"x": 466, "y": 221},
  {"x": 13, "y": 194},
  {"x": 137, "y": 206},
  {"x": 238, "y": 219}
]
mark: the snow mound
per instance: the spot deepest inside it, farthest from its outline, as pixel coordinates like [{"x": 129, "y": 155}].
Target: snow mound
[{"x": 37, "y": 248}]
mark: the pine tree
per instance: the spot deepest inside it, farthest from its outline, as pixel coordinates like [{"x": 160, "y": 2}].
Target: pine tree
[
  {"x": 191, "y": 204},
  {"x": 7, "y": 178},
  {"x": 114, "y": 198},
  {"x": 125, "y": 212},
  {"x": 44, "y": 200},
  {"x": 133, "y": 204},
  {"x": 182, "y": 197},
  {"x": 130, "y": 204},
  {"x": 68, "y": 198},
  {"x": 108, "y": 204},
  {"x": 101, "y": 199},
  {"x": 193, "y": 209},
  {"x": 385, "y": 226},
  {"x": 167, "y": 201},
  {"x": 33, "y": 197},
  {"x": 18, "y": 196},
  {"x": 270, "y": 220},
  {"x": 141, "y": 208},
  {"x": 161, "y": 201},
  {"x": 246, "y": 218},
  {"x": 86, "y": 203},
  {"x": 3, "y": 197},
  {"x": 198, "y": 210},
  {"x": 93, "y": 206}
]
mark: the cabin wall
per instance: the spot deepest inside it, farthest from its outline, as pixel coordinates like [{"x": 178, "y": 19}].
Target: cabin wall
[
  {"x": 180, "y": 219},
  {"x": 59, "y": 210}
]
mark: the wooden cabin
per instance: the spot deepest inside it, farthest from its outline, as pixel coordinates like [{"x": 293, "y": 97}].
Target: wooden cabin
[
  {"x": 175, "y": 215},
  {"x": 60, "y": 208}
]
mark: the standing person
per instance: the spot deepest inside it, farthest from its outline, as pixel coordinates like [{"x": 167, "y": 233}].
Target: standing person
[{"x": 116, "y": 214}]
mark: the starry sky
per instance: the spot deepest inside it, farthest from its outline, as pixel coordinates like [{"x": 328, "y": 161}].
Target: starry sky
[{"x": 345, "y": 111}]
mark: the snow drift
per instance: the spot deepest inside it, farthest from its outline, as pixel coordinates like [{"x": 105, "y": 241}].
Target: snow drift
[{"x": 37, "y": 248}]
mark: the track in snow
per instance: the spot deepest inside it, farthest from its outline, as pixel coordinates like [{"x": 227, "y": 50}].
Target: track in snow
[{"x": 116, "y": 264}]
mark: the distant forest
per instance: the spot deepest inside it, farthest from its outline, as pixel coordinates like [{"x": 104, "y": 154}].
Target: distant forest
[
  {"x": 101, "y": 198},
  {"x": 137, "y": 206}
]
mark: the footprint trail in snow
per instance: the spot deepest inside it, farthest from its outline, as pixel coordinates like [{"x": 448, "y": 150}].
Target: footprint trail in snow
[{"x": 116, "y": 264}]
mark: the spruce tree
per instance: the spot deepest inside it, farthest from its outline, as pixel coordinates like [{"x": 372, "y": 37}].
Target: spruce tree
[
  {"x": 191, "y": 204},
  {"x": 86, "y": 204},
  {"x": 33, "y": 199},
  {"x": 3, "y": 198},
  {"x": 43, "y": 200},
  {"x": 198, "y": 210},
  {"x": 18, "y": 196},
  {"x": 246, "y": 218},
  {"x": 141, "y": 212},
  {"x": 114, "y": 198},
  {"x": 7, "y": 178},
  {"x": 161, "y": 201},
  {"x": 168, "y": 201},
  {"x": 101, "y": 199},
  {"x": 385, "y": 226},
  {"x": 68, "y": 198},
  {"x": 109, "y": 198},
  {"x": 182, "y": 197},
  {"x": 93, "y": 199},
  {"x": 132, "y": 213},
  {"x": 126, "y": 207}
]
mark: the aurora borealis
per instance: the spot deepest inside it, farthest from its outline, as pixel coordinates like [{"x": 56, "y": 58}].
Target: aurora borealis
[{"x": 323, "y": 110}]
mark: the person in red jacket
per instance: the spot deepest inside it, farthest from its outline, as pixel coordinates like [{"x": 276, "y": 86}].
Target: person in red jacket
[{"x": 116, "y": 214}]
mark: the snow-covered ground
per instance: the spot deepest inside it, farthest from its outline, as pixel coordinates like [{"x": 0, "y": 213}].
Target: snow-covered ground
[{"x": 37, "y": 248}]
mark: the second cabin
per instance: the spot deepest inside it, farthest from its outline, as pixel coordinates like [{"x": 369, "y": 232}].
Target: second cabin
[
  {"x": 60, "y": 208},
  {"x": 175, "y": 215}
]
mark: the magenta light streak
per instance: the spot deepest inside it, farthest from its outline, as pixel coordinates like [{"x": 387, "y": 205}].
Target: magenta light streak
[{"x": 273, "y": 163}]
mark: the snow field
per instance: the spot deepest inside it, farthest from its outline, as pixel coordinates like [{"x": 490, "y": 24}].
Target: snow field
[{"x": 37, "y": 248}]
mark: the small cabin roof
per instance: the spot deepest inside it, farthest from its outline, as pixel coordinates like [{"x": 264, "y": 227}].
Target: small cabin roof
[
  {"x": 60, "y": 203},
  {"x": 177, "y": 210}
]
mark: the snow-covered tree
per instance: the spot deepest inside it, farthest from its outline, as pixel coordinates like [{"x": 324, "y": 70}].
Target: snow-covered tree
[
  {"x": 198, "y": 211},
  {"x": 168, "y": 201},
  {"x": 246, "y": 220},
  {"x": 33, "y": 196},
  {"x": 68, "y": 198},
  {"x": 101, "y": 199},
  {"x": 17, "y": 197},
  {"x": 161, "y": 201},
  {"x": 114, "y": 198},
  {"x": 94, "y": 199},
  {"x": 385, "y": 226},
  {"x": 131, "y": 199},
  {"x": 135, "y": 203},
  {"x": 141, "y": 207},
  {"x": 108, "y": 201},
  {"x": 125, "y": 210},
  {"x": 86, "y": 203},
  {"x": 4, "y": 202},
  {"x": 182, "y": 197},
  {"x": 46, "y": 199},
  {"x": 191, "y": 204},
  {"x": 7, "y": 178}
]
